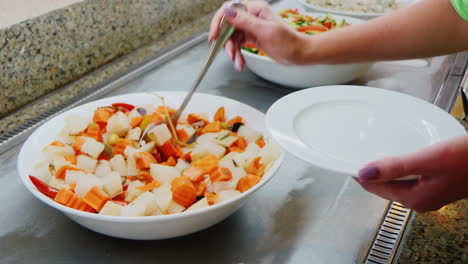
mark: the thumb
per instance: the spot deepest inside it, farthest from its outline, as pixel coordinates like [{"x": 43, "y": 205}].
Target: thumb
[
  {"x": 244, "y": 21},
  {"x": 432, "y": 160},
  {"x": 386, "y": 169}
]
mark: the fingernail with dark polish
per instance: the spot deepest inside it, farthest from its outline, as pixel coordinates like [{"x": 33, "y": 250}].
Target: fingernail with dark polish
[
  {"x": 230, "y": 12},
  {"x": 369, "y": 173}
]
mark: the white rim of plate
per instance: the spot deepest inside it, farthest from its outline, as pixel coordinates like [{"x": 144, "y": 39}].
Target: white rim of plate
[
  {"x": 283, "y": 131},
  {"x": 23, "y": 173},
  {"x": 342, "y": 12}
]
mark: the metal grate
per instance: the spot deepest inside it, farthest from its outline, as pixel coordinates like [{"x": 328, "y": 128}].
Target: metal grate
[
  {"x": 17, "y": 135},
  {"x": 388, "y": 237}
]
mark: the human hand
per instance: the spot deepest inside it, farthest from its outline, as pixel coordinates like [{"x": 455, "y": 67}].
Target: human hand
[
  {"x": 442, "y": 171},
  {"x": 261, "y": 27}
]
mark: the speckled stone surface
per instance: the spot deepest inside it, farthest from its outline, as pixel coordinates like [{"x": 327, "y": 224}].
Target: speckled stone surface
[
  {"x": 91, "y": 80},
  {"x": 441, "y": 236},
  {"x": 39, "y": 55},
  {"x": 438, "y": 237}
]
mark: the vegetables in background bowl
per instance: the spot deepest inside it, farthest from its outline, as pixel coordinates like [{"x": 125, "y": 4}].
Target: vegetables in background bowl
[
  {"x": 303, "y": 23},
  {"x": 304, "y": 76}
]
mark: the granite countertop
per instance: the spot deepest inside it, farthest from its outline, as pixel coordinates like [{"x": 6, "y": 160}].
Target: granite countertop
[{"x": 440, "y": 236}]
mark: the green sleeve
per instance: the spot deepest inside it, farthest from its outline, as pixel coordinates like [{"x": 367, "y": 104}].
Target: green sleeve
[{"x": 462, "y": 8}]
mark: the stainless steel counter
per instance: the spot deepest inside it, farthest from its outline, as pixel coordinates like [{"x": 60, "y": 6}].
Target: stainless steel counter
[{"x": 303, "y": 215}]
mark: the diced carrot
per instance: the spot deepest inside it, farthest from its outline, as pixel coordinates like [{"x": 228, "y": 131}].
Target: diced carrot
[
  {"x": 211, "y": 197},
  {"x": 144, "y": 160},
  {"x": 207, "y": 164},
  {"x": 121, "y": 144},
  {"x": 149, "y": 186},
  {"x": 156, "y": 117},
  {"x": 72, "y": 187},
  {"x": 162, "y": 110},
  {"x": 234, "y": 149},
  {"x": 68, "y": 198},
  {"x": 63, "y": 196},
  {"x": 221, "y": 174},
  {"x": 170, "y": 162},
  {"x": 94, "y": 131},
  {"x": 131, "y": 178},
  {"x": 192, "y": 118},
  {"x": 78, "y": 144},
  {"x": 187, "y": 156},
  {"x": 102, "y": 115},
  {"x": 212, "y": 127},
  {"x": 182, "y": 135},
  {"x": 60, "y": 174},
  {"x": 200, "y": 188},
  {"x": 255, "y": 167},
  {"x": 194, "y": 174},
  {"x": 261, "y": 143},
  {"x": 156, "y": 154},
  {"x": 247, "y": 182},
  {"x": 57, "y": 143},
  {"x": 146, "y": 176},
  {"x": 219, "y": 115},
  {"x": 72, "y": 158},
  {"x": 236, "y": 119},
  {"x": 96, "y": 198},
  {"x": 168, "y": 150},
  {"x": 240, "y": 143},
  {"x": 183, "y": 191},
  {"x": 136, "y": 120}
]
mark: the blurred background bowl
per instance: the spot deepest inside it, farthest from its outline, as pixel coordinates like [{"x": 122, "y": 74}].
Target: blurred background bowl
[{"x": 305, "y": 76}]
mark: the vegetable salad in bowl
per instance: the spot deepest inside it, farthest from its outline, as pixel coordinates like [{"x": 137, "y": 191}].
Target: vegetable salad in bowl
[
  {"x": 304, "y": 23},
  {"x": 305, "y": 76},
  {"x": 99, "y": 162}
]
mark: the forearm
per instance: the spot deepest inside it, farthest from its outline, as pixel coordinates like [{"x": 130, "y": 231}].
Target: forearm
[{"x": 426, "y": 29}]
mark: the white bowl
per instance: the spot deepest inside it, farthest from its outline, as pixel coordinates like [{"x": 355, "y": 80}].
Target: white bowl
[
  {"x": 147, "y": 227},
  {"x": 361, "y": 15},
  {"x": 305, "y": 76},
  {"x": 341, "y": 128}
]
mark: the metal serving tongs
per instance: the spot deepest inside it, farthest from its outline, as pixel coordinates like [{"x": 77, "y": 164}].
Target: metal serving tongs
[{"x": 224, "y": 33}]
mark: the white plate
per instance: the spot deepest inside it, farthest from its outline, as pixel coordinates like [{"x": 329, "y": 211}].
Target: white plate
[
  {"x": 341, "y": 128},
  {"x": 311, "y": 7},
  {"x": 146, "y": 227}
]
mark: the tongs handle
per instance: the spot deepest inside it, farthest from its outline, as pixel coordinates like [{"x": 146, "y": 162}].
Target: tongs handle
[{"x": 224, "y": 33}]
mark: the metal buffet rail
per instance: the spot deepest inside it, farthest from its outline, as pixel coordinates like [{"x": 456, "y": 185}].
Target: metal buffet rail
[{"x": 303, "y": 215}]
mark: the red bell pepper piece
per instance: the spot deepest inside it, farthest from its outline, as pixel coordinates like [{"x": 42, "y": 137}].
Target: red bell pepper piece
[
  {"x": 43, "y": 187},
  {"x": 123, "y": 107},
  {"x": 328, "y": 25}
]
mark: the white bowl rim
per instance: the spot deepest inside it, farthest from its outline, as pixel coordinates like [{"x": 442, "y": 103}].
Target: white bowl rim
[
  {"x": 341, "y": 12},
  {"x": 140, "y": 219}
]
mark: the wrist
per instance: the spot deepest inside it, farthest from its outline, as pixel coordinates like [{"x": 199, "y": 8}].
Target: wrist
[{"x": 305, "y": 51}]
